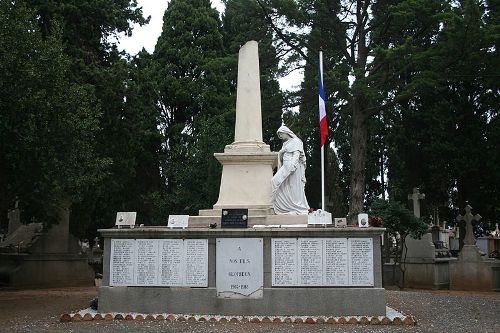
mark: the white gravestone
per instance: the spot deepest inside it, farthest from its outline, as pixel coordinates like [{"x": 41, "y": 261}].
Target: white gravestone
[
  {"x": 322, "y": 262},
  {"x": 239, "y": 268},
  {"x": 125, "y": 219},
  {"x": 159, "y": 262}
]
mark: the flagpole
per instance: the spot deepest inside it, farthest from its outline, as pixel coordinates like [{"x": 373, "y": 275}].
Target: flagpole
[{"x": 322, "y": 146}]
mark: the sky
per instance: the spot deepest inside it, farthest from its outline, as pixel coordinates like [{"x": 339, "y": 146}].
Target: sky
[{"x": 147, "y": 35}]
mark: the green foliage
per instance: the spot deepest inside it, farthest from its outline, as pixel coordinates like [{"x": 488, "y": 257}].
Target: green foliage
[
  {"x": 242, "y": 21},
  {"x": 48, "y": 123},
  {"x": 398, "y": 219},
  {"x": 194, "y": 104}
]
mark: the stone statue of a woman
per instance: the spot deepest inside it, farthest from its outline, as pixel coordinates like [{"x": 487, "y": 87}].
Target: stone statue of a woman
[{"x": 288, "y": 183}]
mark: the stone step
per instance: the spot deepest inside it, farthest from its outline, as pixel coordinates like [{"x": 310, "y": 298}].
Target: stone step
[
  {"x": 205, "y": 221},
  {"x": 251, "y": 212}
]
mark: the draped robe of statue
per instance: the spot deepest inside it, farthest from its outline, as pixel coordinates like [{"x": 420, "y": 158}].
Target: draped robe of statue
[{"x": 288, "y": 183}]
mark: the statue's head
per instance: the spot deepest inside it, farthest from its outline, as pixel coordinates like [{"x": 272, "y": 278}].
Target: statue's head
[{"x": 284, "y": 133}]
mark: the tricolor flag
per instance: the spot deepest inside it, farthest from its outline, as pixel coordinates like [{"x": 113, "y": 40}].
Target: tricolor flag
[{"x": 323, "y": 125}]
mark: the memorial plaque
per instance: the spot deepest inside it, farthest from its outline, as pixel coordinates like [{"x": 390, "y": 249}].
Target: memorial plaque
[
  {"x": 196, "y": 254},
  {"x": 319, "y": 217},
  {"x": 361, "y": 261},
  {"x": 234, "y": 218},
  {"x": 284, "y": 262},
  {"x": 122, "y": 262},
  {"x": 363, "y": 220},
  {"x": 125, "y": 218},
  {"x": 336, "y": 262},
  {"x": 340, "y": 222},
  {"x": 146, "y": 272},
  {"x": 239, "y": 267},
  {"x": 171, "y": 266},
  {"x": 178, "y": 221},
  {"x": 310, "y": 261}
]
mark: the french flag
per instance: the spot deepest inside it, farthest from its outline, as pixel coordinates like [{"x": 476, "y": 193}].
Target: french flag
[{"x": 323, "y": 125}]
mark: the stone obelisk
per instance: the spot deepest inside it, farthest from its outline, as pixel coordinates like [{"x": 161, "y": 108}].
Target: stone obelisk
[{"x": 247, "y": 163}]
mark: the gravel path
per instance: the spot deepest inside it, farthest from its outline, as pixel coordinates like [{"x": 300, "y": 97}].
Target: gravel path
[{"x": 435, "y": 311}]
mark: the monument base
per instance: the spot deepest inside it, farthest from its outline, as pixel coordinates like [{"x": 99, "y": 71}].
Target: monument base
[
  {"x": 20, "y": 270},
  {"x": 273, "y": 298},
  {"x": 276, "y": 301},
  {"x": 474, "y": 272}
]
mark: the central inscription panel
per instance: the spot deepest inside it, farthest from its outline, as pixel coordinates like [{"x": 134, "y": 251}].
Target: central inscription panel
[
  {"x": 159, "y": 262},
  {"x": 239, "y": 267},
  {"x": 332, "y": 262}
]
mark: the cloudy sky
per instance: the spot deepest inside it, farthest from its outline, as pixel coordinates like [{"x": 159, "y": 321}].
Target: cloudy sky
[{"x": 146, "y": 36}]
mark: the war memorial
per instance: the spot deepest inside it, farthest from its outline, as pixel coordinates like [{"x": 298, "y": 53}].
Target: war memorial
[{"x": 253, "y": 252}]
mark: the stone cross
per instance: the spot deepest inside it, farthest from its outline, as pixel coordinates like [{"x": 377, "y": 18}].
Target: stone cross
[
  {"x": 468, "y": 218},
  {"x": 415, "y": 197}
]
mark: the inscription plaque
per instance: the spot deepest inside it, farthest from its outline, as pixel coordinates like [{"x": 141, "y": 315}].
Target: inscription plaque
[
  {"x": 159, "y": 262},
  {"x": 361, "y": 261},
  {"x": 239, "y": 267},
  {"x": 322, "y": 262},
  {"x": 147, "y": 262},
  {"x": 310, "y": 270},
  {"x": 234, "y": 218},
  {"x": 284, "y": 256},
  {"x": 336, "y": 262},
  {"x": 122, "y": 259},
  {"x": 171, "y": 262}
]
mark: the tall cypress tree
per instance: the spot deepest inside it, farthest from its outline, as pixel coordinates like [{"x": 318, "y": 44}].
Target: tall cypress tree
[{"x": 193, "y": 103}]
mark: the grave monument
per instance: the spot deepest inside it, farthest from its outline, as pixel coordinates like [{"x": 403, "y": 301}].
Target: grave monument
[
  {"x": 244, "y": 269},
  {"x": 472, "y": 270},
  {"x": 33, "y": 257},
  {"x": 424, "y": 267}
]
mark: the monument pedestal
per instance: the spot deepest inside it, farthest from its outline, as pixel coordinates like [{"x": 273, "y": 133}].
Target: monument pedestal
[
  {"x": 474, "y": 272},
  {"x": 264, "y": 271}
]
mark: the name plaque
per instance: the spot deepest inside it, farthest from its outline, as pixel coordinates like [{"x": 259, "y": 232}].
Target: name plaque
[
  {"x": 234, "y": 218},
  {"x": 159, "y": 262},
  {"x": 335, "y": 262},
  {"x": 239, "y": 268}
]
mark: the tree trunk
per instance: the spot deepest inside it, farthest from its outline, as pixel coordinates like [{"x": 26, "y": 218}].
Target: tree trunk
[{"x": 359, "y": 142}]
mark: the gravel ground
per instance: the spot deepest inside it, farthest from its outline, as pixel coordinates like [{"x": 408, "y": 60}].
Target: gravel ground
[{"x": 435, "y": 311}]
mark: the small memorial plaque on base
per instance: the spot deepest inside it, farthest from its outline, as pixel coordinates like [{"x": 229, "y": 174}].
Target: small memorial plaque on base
[
  {"x": 340, "y": 222},
  {"x": 319, "y": 217},
  {"x": 178, "y": 221},
  {"x": 234, "y": 218},
  {"x": 125, "y": 218},
  {"x": 363, "y": 220}
]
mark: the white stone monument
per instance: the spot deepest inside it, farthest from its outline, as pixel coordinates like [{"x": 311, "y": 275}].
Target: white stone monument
[{"x": 247, "y": 163}]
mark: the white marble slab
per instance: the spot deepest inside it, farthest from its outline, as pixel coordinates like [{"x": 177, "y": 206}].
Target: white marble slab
[
  {"x": 239, "y": 267},
  {"x": 159, "y": 262}
]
